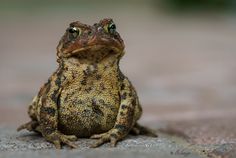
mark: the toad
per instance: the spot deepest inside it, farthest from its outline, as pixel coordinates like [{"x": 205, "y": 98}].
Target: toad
[{"x": 88, "y": 95}]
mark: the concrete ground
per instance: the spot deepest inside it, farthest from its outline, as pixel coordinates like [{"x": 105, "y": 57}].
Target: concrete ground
[
  {"x": 182, "y": 67},
  {"x": 189, "y": 140}
]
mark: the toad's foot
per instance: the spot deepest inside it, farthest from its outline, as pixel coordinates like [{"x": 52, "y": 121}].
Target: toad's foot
[
  {"x": 140, "y": 130},
  {"x": 110, "y": 136},
  {"x": 57, "y": 138},
  {"x": 30, "y": 126}
]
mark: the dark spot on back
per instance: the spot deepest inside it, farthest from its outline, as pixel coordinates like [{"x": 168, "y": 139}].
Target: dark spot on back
[
  {"x": 123, "y": 106},
  {"x": 101, "y": 101},
  {"x": 83, "y": 82},
  {"x": 88, "y": 89},
  {"x": 96, "y": 108},
  {"x": 54, "y": 96},
  {"x": 98, "y": 77},
  {"x": 58, "y": 80},
  {"x": 122, "y": 86},
  {"x": 133, "y": 102},
  {"x": 105, "y": 67},
  {"x": 111, "y": 51},
  {"x": 49, "y": 110},
  {"x": 122, "y": 128},
  {"x": 102, "y": 87},
  {"x": 120, "y": 75},
  {"x": 123, "y": 96},
  {"x": 130, "y": 94}
]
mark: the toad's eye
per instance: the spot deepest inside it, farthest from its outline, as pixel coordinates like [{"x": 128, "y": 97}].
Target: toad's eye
[
  {"x": 74, "y": 31},
  {"x": 111, "y": 28}
]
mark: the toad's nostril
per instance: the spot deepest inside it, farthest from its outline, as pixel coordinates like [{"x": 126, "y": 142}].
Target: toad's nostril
[{"x": 111, "y": 51}]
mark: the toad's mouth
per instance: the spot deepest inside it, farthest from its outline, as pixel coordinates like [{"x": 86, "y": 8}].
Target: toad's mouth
[{"x": 95, "y": 52}]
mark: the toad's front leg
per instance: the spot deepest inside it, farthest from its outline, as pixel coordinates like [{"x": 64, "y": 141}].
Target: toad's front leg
[
  {"x": 125, "y": 118},
  {"x": 48, "y": 116}
]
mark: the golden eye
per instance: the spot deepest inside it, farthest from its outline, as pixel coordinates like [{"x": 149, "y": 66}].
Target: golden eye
[
  {"x": 111, "y": 28},
  {"x": 74, "y": 31}
]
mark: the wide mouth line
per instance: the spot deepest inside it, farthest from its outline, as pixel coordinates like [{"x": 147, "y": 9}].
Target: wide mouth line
[{"x": 95, "y": 48}]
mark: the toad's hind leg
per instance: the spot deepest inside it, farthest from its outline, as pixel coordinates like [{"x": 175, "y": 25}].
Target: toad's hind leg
[
  {"x": 141, "y": 130},
  {"x": 30, "y": 126}
]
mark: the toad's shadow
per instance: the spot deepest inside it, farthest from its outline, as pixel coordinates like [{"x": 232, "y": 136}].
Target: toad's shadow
[
  {"x": 29, "y": 136},
  {"x": 174, "y": 132}
]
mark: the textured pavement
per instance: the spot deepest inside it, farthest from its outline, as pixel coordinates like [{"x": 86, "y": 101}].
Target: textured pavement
[
  {"x": 32, "y": 145},
  {"x": 170, "y": 142}
]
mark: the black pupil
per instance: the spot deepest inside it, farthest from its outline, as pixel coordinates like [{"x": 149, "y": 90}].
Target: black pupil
[
  {"x": 73, "y": 30},
  {"x": 112, "y": 28}
]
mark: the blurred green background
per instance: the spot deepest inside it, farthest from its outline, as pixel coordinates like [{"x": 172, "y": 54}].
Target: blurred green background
[{"x": 180, "y": 53}]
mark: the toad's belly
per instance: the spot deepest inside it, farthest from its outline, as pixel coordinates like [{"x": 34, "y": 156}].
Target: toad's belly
[{"x": 84, "y": 112}]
